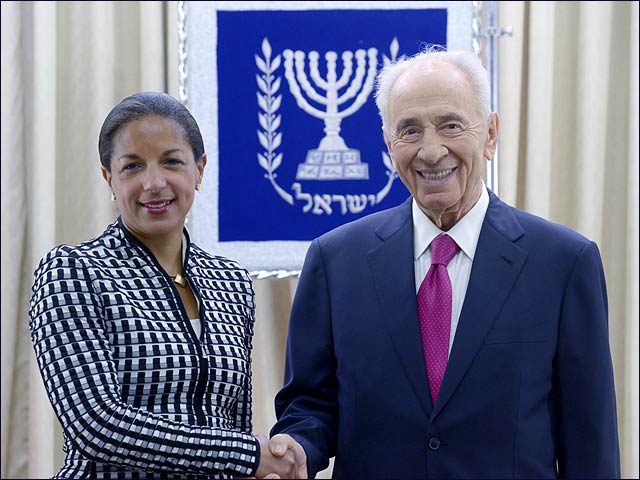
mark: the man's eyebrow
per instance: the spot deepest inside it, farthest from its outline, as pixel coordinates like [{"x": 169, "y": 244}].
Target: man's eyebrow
[
  {"x": 448, "y": 117},
  {"x": 405, "y": 122},
  {"x": 445, "y": 117}
]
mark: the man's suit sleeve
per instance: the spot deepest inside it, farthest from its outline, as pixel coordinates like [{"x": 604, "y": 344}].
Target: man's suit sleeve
[
  {"x": 306, "y": 407},
  {"x": 584, "y": 385}
]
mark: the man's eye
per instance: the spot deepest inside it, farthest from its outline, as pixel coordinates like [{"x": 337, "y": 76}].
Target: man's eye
[
  {"x": 410, "y": 133},
  {"x": 452, "y": 127}
]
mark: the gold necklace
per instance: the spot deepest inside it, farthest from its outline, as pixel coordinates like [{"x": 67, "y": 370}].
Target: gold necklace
[{"x": 180, "y": 280}]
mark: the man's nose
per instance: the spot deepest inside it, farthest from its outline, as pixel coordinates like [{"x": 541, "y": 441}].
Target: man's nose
[{"x": 432, "y": 148}]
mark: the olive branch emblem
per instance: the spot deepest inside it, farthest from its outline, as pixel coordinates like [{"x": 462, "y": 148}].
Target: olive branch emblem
[
  {"x": 393, "y": 50},
  {"x": 269, "y": 101},
  {"x": 394, "y": 47}
]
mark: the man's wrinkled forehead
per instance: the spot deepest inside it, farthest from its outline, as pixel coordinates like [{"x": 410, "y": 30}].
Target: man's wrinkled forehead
[
  {"x": 433, "y": 80},
  {"x": 433, "y": 71}
]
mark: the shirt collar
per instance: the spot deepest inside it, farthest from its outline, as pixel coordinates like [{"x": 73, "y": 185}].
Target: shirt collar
[{"x": 465, "y": 233}]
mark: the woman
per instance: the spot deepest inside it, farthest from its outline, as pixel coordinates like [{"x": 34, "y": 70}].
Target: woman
[{"x": 143, "y": 339}]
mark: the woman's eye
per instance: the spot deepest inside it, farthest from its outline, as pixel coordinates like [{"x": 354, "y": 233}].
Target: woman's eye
[
  {"x": 172, "y": 162},
  {"x": 131, "y": 167}
]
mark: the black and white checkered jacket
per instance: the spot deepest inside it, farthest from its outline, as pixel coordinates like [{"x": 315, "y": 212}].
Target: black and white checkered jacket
[{"x": 138, "y": 395}]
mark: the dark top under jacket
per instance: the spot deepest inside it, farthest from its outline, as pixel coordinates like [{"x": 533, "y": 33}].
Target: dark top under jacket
[{"x": 137, "y": 393}]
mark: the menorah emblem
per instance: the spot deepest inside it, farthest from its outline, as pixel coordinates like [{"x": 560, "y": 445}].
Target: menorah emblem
[{"x": 333, "y": 159}]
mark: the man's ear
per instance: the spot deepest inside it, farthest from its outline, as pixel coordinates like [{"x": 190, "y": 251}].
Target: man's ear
[
  {"x": 387, "y": 141},
  {"x": 492, "y": 135}
]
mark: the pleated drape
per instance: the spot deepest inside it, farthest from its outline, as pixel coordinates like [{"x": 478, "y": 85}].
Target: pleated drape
[
  {"x": 569, "y": 151},
  {"x": 64, "y": 66}
]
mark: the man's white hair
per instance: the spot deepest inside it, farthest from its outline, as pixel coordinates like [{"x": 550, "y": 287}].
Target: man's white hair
[{"x": 467, "y": 62}]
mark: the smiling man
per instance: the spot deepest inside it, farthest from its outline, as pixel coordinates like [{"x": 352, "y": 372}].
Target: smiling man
[
  {"x": 453, "y": 336},
  {"x": 438, "y": 136}
]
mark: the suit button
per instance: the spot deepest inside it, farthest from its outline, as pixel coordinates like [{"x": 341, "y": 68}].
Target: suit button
[{"x": 434, "y": 443}]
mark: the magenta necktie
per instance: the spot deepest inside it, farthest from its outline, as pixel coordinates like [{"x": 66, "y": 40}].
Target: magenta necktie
[{"x": 434, "y": 311}]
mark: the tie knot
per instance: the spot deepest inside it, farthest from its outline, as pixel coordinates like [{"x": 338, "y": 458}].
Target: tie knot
[{"x": 443, "y": 248}]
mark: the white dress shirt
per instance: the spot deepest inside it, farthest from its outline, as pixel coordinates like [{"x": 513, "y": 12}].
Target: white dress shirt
[{"x": 465, "y": 233}]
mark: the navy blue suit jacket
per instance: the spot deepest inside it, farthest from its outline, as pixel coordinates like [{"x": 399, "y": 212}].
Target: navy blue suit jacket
[{"x": 528, "y": 391}]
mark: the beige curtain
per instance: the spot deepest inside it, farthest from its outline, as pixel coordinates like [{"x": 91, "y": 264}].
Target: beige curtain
[
  {"x": 568, "y": 152},
  {"x": 64, "y": 65}
]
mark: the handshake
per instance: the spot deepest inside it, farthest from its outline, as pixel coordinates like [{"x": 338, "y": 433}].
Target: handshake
[{"x": 281, "y": 457}]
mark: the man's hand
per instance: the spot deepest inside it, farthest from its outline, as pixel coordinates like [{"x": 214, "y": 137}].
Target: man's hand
[
  {"x": 281, "y": 445},
  {"x": 281, "y": 457}
]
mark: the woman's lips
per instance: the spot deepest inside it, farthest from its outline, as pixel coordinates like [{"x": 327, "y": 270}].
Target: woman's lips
[{"x": 157, "y": 207}]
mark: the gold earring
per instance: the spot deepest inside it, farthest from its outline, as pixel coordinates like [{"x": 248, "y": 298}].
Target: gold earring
[
  {"x": 113, "y": 197},
  {"x": 199, "y": 187}
]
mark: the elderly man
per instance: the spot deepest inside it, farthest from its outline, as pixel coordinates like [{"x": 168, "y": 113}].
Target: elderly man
[{"x": 452, "y": 336}]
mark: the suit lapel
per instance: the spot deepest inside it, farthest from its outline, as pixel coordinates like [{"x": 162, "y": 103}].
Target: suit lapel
[
  {"x": 496, "y": 266},
  {"x": 392, "y": 268}
]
